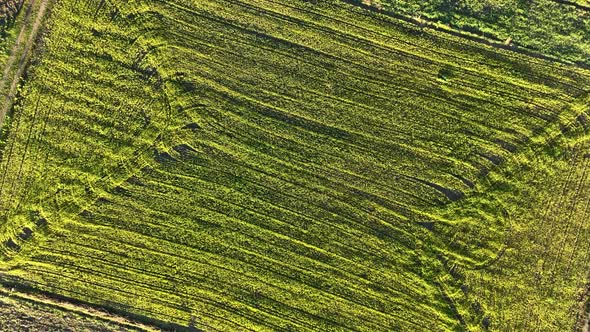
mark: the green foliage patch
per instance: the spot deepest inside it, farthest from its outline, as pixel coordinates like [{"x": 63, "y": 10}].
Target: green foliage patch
[{"x": 555, "y": 27}]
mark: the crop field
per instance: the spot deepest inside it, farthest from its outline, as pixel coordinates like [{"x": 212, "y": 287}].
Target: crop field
[{"x": 280, "y": 165}]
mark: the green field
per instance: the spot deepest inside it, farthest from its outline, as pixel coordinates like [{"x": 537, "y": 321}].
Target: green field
[
  {"x": 560, "y": 28},
  {"x": 281, "y": 165}
]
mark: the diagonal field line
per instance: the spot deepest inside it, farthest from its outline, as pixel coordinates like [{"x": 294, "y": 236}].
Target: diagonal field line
[{"x": 22, "y": 61}]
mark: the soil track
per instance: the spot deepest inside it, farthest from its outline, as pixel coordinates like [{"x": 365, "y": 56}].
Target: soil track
[
  {"x": 22, "y": 305},
  {"x": 20, "y": 51}
]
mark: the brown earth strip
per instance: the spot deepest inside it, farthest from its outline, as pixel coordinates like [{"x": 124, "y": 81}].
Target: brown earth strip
[
  {"x": 34, "y": 312},
  {"x": 22, "y": 48}
]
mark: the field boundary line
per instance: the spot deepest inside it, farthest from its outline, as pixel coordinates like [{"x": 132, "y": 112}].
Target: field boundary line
[
  {"x": 77, "y": 309},
  {"x": 23, "y": 50},
  {"x": 485, "y": 39}
]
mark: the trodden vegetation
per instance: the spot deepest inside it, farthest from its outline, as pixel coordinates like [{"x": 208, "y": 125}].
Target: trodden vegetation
[{"x": 288, "y": 165}]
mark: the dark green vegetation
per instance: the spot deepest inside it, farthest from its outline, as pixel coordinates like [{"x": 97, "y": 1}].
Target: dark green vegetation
[
  {"x": 8, "y": 11},
  {"x": 556, "y": 27},
  {"x": 287, "y": 165}
]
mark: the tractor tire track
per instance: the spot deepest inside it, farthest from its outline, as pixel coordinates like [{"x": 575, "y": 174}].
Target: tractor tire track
[{"x": 26, "y": 47}]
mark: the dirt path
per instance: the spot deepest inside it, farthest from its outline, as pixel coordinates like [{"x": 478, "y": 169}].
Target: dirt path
[
  {"x": 29, "y": 305},
  {"x": 23, "y": 49}
]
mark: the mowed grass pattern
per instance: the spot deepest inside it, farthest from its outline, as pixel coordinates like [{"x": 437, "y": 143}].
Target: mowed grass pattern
[{"x": 277, "y": 165}]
